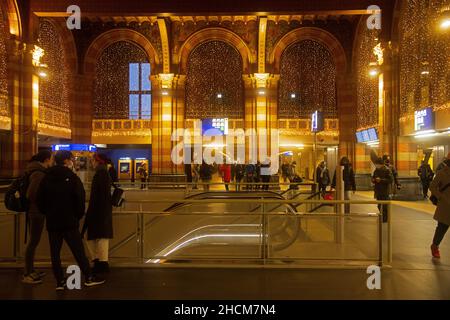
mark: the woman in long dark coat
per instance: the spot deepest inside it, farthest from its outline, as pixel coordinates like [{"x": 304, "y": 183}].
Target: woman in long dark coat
[{"x": 99, "y": 215}]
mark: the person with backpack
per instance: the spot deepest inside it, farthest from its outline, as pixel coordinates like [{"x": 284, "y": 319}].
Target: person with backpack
[
  {"x": 382, "y": 179},
  {"x": 34, "y": 174},
  {"x": 143, "y": 174},
  {"x": 348, "y": 176},
  {"x": 206, "y": 171},
  {"x": 395, "y": 185},
  {"x": 250, "y": 171},
  {"x": 61, "y": 198},
  {"x": 99, "y": 221},
  {"x": 440, "y": 188},
  {"x": 240, "y": 172},
  {"x": 322, "y": 178},
  {"x": 426, "y": 175}
]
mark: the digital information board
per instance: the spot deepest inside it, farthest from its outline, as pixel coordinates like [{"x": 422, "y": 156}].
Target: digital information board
[
  {"x": 423, "y": 119},
  {"x": 368, "y": 135},
  {"x": 215, "y": 127}
]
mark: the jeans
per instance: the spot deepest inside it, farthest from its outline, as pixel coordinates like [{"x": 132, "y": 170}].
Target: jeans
[
  {"x": 37, "y": 222},
  {"x": 347, "y": 197},
  {"x": 383, "y": 208},
  {"x": 75, "y": 243},
  {"x": 143, "y": 183},
  {"x": 425, "y": 187},
  {"x": 439, "y": 234},
  {"x": 265, "y": 179}
]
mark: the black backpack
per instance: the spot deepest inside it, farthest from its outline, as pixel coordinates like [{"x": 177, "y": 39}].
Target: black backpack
[{"x": 16, "y": 195}]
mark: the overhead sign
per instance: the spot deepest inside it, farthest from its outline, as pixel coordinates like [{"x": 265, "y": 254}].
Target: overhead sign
[
  {"x": 75, "y": 147},
  {"x": 317, "y": 123},
  {"x": 423, "y": 119}
]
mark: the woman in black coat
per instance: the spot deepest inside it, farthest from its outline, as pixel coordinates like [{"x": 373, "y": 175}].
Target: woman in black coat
[{"x": 99, "y": 215}]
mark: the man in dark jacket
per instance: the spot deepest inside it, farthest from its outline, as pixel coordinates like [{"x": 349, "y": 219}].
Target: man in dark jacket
[
  {"x": 99, "y": 222},
  {"x": 36, "y": 220},
  {"x": 348, "y": 176},
  {"x": 61, "y": 197},
  {"x": 426, "y": 175},
  {"x": 382, "y": 179}
]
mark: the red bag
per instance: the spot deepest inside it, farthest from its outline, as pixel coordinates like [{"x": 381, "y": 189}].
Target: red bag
[{"x": 328, "y": 196}]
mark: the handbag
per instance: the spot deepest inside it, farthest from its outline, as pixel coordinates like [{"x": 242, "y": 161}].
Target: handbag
[
  {"x": 434, "y": 199},
  {"x": 117, "y": 196}
]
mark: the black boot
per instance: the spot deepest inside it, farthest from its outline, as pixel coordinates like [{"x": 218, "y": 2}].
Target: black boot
[{"x": 103, "y": 267}]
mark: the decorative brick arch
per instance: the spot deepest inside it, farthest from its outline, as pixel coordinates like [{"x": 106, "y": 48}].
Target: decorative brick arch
[
  {"x": 309, "y": 33},
  {"x": 219, "y": 34},
  {"x": 13, "y": 17},
  {"x": 108, "y": 38}
]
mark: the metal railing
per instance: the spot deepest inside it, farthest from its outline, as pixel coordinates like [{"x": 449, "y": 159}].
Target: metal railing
[{"x": 205, "y": 232}]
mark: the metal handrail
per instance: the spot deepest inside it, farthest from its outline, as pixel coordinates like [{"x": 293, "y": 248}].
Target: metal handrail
[{"x": 141, "y": 213}]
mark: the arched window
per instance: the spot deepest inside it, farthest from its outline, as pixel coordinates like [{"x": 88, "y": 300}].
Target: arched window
[
  {"x": 122, "y": 88},
  {"x": 367, "y": 86},
  {"x": 53, "y": 90},
  {"x": 424, "y": 56},
  {"x": 307, "y": 81},
  {"x": 214, "y": 85}
]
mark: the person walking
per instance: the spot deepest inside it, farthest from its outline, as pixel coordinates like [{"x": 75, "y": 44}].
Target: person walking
[
  {"x": 98, "y": 223},
  {"x": 143, "y": 174},
  {"x": 36, "y": 219},
  {"x": 112, "y": 171},
  {"x": 395, "y": 185},
  {"x": 285, "y": 171},
  {"x": 225, "y": 173},
  {"x": 61, "y": 198},
  {"x": 426, "y": 175},
  {"x": 195, "y": 175},
  {"x": 249, "y": 175},
  {"x": 348, "y": 176},
  {"x": 188, "y": 173},
  {"x": 240, "y": 172},
  {"x": 382, "y": 179},
  {"x": 440, "y": 188},
  {"x": 292, "y": 170},
  {"x": 257, "y": 177},
  {"x": 265, "y": 174},
  {"x": 206, "y": 175},
  {"x": 322, "y": 178}
]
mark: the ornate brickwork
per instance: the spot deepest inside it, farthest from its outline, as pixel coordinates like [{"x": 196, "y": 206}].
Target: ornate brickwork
[
  {"x": 248, "y": 31},
  {"x": 92, "y": 30},
  {"x": 307, "y": 81},
  {"x": 214, "y": 68},
  {"x": 343, "y": 31},
  {"x": 111, "y": 86}
]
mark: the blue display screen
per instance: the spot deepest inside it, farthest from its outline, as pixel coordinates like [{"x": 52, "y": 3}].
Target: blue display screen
[
  {"x": 214, "y": 127},
  {"x": 365, "y": 135},
  {"x": 373, "y": 136},
  {"x": 75, "y": 147},
  {"x": 359, "y": 137}
]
